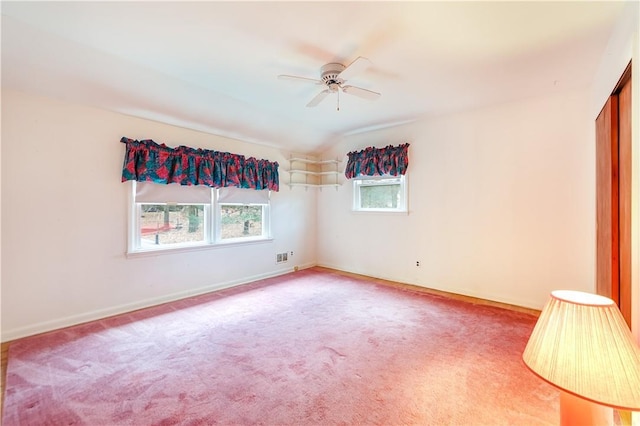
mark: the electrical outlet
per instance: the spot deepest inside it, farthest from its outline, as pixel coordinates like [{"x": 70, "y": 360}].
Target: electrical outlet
[{"x": 417, "y": 263}]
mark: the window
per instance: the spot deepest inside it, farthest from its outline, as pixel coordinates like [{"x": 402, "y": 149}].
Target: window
[
  {"x": 170, "y": 224},
  {"x": 242, "y": 214},
  {"x": 242, "y": 221},
  {"x": 174, "y": 216},
  {"x": 380, "y": 194}
]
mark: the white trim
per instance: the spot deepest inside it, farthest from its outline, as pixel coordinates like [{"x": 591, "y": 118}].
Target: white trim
[
  {"x": 173, "y": 249},
  {"x": 133, "y": 237},
  {"x": 381, "y": 212},
  {"x": 99, "y": 314},
  {"x": 524, "y": 303}
]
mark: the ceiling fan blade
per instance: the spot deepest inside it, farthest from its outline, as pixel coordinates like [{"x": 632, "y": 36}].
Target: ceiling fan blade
[
  {"x": 361, "y": 93},
  {"x": 300, "y": 79},
  {"x": 356, "y": 67},
  {"x": 319, "y": 97}
]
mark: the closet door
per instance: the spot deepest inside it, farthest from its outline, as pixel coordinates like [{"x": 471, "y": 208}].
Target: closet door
[
  {"x": 613, "y": 197},
  {"x": 607, "y": 246}
]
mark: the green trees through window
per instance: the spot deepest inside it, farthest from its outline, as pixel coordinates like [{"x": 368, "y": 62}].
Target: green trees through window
[
  {"x": 385, "y": 193},
  {"x": 238, "y": 221},
  {"x": 380, "y": 196},
  {"x": 171, "y": 223}
]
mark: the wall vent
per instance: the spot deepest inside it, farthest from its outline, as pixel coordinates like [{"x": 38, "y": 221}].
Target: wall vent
[{"x": 282, "y": 257}]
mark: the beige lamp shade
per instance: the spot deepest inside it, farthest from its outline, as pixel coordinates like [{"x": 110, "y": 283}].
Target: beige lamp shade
[{"x": 582, "y": 345}]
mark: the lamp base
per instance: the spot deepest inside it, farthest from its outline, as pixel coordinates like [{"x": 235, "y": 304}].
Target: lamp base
[{"x": 576, "y": 411}]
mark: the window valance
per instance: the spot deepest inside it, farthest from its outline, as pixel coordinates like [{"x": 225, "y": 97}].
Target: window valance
[
  {"x": 148, "y": 161},
  {"x": 372, "y": 161}
]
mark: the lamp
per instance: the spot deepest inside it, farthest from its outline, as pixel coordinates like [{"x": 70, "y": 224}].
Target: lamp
[{"x": 582, "y": 345}]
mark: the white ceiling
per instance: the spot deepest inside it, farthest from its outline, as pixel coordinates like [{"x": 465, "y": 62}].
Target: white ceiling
[{"x": 213, "y": 66}]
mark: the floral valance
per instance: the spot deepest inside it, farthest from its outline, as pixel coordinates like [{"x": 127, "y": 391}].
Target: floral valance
[
  {"x": 147, "y": 161},
  {"x": 372, "y": 161}
]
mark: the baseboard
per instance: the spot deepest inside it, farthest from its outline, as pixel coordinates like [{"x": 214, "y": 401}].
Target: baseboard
[
  {"x": 456, "y": 291},
  {"x": 99, "y": 314},
  {"x": 69, "y": 321}
]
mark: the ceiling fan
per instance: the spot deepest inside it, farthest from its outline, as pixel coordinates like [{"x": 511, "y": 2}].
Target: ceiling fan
[{"x": 334, "y": 76}]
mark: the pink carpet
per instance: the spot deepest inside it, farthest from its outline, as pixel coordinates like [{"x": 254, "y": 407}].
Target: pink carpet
[{"x": 309, "y": 348}]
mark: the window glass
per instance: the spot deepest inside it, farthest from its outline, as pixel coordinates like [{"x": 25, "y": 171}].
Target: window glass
[
  {"x": 241, "y": 221},
  {"x": 170, "y": 224},
  {"x": 386, "y": 193},
  {"x": 380, "y": 196}
]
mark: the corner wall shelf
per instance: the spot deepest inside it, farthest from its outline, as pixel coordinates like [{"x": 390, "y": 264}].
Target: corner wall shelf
[
  {"x": 316, "y": 173},
  {"x": 308, "y": 161}
]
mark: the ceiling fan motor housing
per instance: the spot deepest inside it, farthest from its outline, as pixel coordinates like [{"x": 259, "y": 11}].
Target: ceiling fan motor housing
[{"x": 330, "y": 73}]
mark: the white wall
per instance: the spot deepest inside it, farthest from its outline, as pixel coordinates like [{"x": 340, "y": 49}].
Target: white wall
[
  {"x": 502, "y": 207},
  {"x": 501, "y": 204},
  {"x": 64, "y": 220}
]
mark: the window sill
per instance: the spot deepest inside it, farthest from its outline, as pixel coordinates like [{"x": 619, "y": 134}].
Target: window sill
[
  {"x": 381, "y": 212},
  {"x": 194, "y": 247}
]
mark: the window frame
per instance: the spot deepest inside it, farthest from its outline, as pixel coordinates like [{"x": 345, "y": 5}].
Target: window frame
[
  {"x": 211, "y": 223},
  {"x": 403, "y": 202}
]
